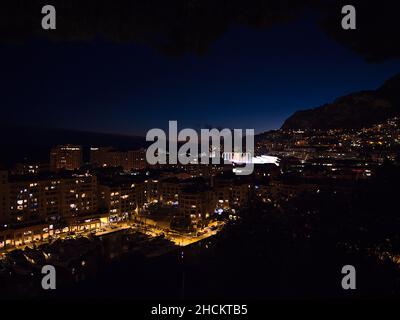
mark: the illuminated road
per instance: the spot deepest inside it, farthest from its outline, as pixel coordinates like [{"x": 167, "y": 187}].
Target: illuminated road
[
  {"x": 181, "y": 239},
  {"x": 152, "y": 230}
]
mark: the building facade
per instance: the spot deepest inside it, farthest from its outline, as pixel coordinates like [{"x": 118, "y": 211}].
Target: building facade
[
  {"x": 197, "y": 205},
  {"x": 51, "y": 199},
  {"x": 122, "y": 200},
  {"x": 68, "y": 157},
  {"x": 107, "y": 157}
]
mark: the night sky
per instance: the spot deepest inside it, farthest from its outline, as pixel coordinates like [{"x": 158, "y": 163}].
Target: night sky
[{"x": 248, "y": 78}]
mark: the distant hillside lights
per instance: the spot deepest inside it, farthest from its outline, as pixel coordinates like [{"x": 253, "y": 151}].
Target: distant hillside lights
[{"x": 188, "y": 153}]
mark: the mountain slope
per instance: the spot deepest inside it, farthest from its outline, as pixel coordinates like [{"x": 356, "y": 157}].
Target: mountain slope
[{"x": 357, "y": 110}]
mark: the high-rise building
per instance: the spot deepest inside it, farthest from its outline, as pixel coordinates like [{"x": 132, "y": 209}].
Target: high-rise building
[
  {"x": 100, "y": 156},
  {"x": 107, "y": 157},
  {"x": 121, "y": 200},
  {"x": 137, "y": 159},
  {"x": 79, "y": 196},
  {"x": 169, "y": 190},
  {"x": 51, "y": 198},
  {"x": 197, "y": 203},
  {"x": 231, "y": 193},
  {"x": 68, "y": 157}
]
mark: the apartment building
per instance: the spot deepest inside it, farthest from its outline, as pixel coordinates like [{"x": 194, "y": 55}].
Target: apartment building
[
  {"x": 68, "y": 157},
  {"x": 35, "y": 199},
  {"x": 197, "y": 203},
  {"x": 121, "y": 200},
  {"x": 231, "y": 192},
  {"x": 107, "y": 157},
  {"x": 169, "y": 190}
]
